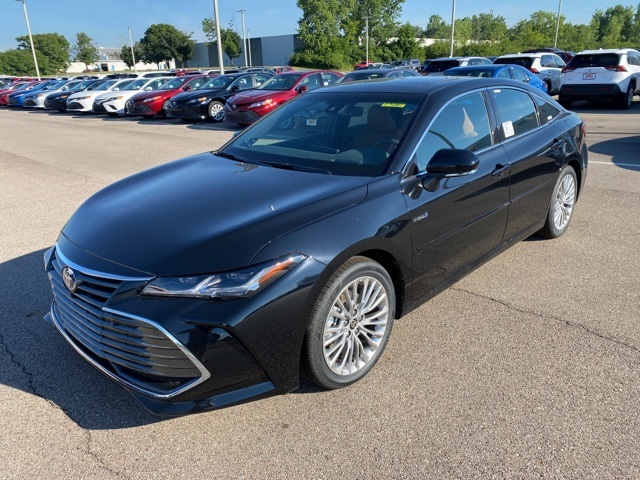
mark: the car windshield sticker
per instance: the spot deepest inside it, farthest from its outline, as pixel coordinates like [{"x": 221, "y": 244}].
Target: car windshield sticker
[
  {"x": 507, "y": 128},
  {"x": 393, "y": 105}
]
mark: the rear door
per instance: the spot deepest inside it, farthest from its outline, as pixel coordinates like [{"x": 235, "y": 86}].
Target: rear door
[{"x": 535, "y": 151}]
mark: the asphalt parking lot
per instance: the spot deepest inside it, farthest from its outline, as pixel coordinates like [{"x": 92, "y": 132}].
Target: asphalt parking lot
[{"x": 529, "y": 367}]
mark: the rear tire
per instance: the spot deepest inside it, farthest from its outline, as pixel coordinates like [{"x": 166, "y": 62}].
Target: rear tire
[
  {"x": 627, "y": 100},
  {"x": 350, "y": 324},
  {"x": 563, "y": 199},
  {"x": 564, "y": 102}
]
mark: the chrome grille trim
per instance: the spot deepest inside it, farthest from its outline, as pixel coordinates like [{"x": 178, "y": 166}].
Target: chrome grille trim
[{"x": 132, "y": 343}]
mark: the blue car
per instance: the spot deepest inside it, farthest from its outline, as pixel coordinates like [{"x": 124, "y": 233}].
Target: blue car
[
  {"x": 17, "y": 99},
  {"x": 515, "y": 72}
]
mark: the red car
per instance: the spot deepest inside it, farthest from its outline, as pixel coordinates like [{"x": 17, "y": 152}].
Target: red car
[
  {"x": 247, "y": 107},
  {"x": 4, "y": 94},
  {"x": 149, "y": 104}
]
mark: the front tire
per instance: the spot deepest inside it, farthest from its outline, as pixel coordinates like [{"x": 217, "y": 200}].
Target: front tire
[
  {"x": 563, "y": 199},
  {"x": 216, "y": 111},
  {"x": 350, "y": 324}
]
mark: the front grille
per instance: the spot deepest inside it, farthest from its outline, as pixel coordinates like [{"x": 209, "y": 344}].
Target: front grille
[
  {"x": 13, "y": 102},
  {"x": 135, "y": 351},
  {"x": 74, "y": 106}
]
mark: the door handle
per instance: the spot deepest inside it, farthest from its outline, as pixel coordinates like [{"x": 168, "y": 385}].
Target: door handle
[{"x": 500, "y": 170}]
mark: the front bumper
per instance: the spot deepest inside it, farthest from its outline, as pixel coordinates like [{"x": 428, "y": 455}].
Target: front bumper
[
  {"x": 180, "y": 355},
  {"x": 244, "y": 117},
  {"x": 33, "y": 102},
  {"x": 55, "y": 104},
  {"x": 195, "y": 112},
  {"x": 139, "y": 109},
  {"x": 591, "y": 92},
  {"x": 15, "y": 102},
  {"x": 80, "y": 105}
]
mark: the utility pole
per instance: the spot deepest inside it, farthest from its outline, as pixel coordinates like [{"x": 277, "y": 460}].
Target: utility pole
[
  {"x": 219, "y": 38},
  {"x": 244, "y": 37},
  {"x": 249, "y": 45},
  {"x": 555, "y": 42},
  {"x": 453, "y": 25},
  {"x": 33, "y": 50},
  {"x": 133, "y": 56}
]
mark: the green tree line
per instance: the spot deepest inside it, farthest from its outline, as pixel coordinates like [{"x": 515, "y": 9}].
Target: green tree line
[{"x": 333, "y": 33}]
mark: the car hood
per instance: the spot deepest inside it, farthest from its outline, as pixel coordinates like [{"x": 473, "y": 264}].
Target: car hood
[
  {"x": 118, "y": 93},
  {"x": 204, "y": 214},
  {"x": 254, "y": 96},
  {"x": 86, "y": 93},
  {"x": 206, "y": 92},
  {"x": 155, "y": 93}
]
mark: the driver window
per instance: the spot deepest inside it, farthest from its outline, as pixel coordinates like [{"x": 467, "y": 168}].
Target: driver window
[
  {"x": 243, "y": 82},
  {"x": 462, "y": 124}
]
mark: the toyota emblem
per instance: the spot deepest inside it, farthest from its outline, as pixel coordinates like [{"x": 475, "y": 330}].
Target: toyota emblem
[{"x": 69, "y": 279}]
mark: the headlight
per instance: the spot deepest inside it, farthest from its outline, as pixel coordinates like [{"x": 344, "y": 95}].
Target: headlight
[
  {"x": 238, "y": 284},
  {"x": 75, "y": 99},
  {"x": 113, "y": 99},
  {"x": 198, "y": 100},
  {"x": 41, "y": 95},
  {"x": 268, "y": 101},
  {"x": 151, "y": 99},
  {"x": 62, "y": 97}
]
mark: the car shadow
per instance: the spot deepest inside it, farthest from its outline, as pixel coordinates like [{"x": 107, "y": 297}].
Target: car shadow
[
  {"x": 37, "y": 360},
  {"x": 584, "y": 106},
  {"x": 222, "y": 126},
  {"x": 623, "y": 151}
]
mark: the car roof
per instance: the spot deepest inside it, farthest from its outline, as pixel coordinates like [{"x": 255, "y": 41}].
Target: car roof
[
  {"x": 454, "y": 58},
  {"x": 422, "y": 85},
  {"x": 605, "y": 50},
  {"x": 531, "y": 55},
  {"x": 484, "y": 67}
]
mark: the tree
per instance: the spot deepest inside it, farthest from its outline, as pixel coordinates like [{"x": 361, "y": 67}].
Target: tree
[
  {"x": 230, "y": 38},
  {"x": 53, "y": 46},
  {"x": 405, "y": 45},
  {"x": 20, "y": 62},
  {"x": 125, "y": 54},
  {"x": 487, "y": 27},
  {"x": 437, "y": 28},
  {"x": 162, "y": 42},
  {"x": 84, "y": 49}
]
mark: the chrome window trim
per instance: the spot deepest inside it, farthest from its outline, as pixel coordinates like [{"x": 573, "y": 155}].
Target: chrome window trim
[{"x": 405, "y": 168}]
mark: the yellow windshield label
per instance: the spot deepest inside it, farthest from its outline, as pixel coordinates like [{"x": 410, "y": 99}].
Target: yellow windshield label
[{"x": 394, "y": 105}]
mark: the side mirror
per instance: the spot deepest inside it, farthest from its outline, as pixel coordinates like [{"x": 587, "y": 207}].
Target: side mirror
[
  {"x": 116, "y": 89},
  {"x": 303, "y": 89},
  {"x": 447, "y": 163},
  {"x": 148, "y": 89},
  {"x": 234, "y": 89}
]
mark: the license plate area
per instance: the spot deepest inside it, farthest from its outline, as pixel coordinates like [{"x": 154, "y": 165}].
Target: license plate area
[{"x": 588, "y": 76}]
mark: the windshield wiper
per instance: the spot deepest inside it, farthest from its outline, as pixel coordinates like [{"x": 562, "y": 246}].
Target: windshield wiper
[
  {"x": 231, "y": 156},
  {"x": 301, "y": 168}
]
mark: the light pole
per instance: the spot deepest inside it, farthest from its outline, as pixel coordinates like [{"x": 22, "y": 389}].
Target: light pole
[
  {"x": 133, "y": 56},
  {"x": 366, "y": 42},
  {"x": 33, "y": 50},
  {"x": 244, "y": 36},
  {"x": 555, "y": 42},
  {"x": 249, "y": 45},
  {"x": 219, "y": 42},
  {"x": 453, "y": 25}
]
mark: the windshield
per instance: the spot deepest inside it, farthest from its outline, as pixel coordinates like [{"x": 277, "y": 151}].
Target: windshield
[
  {"x": 280, "y": 82},
  {"x": 525, "y": 62},
  {"x": 55, "y": 85},
  {"x": 173, "y": 84},
  {"x": 442, "y": 65},
  {"x": 135, "y": 85},
  {"x": 81, "y": 86},
  {"x": 332, "y": 133},
  {"x": 223, "y": 81},
  {"x": 595, "y": 60},
  {"x": 361, "y": 75},
  {"x": 104, "y": 86}
]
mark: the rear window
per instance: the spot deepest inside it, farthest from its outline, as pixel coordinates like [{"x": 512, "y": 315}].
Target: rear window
[
  {"x": 525, "y": 62},
  {"x": 595, "y": 60},
  {"x": 441, "y": 65}
]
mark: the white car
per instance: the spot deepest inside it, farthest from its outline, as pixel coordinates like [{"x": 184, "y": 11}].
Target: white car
[
  {"x": 112, "y": 103},
  {"x": 544, "y": 65},
  {"x": 83, "y": 101},
  {"x": 607, "y": 74}
]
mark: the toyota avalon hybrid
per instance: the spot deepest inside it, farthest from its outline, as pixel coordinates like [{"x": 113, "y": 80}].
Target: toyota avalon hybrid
[{"x": 225, "y": 276}]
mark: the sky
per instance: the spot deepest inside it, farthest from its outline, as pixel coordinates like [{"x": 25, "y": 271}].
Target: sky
[{"x": 106, "y": 21}]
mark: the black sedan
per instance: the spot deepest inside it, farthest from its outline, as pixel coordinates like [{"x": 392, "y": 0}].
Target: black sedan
[
  {"x": 221, "y": 277},
  {"x": 58, "y": 101},
  {"x": 371, "y": 74},
  {"x": 208, "y": 100}
]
